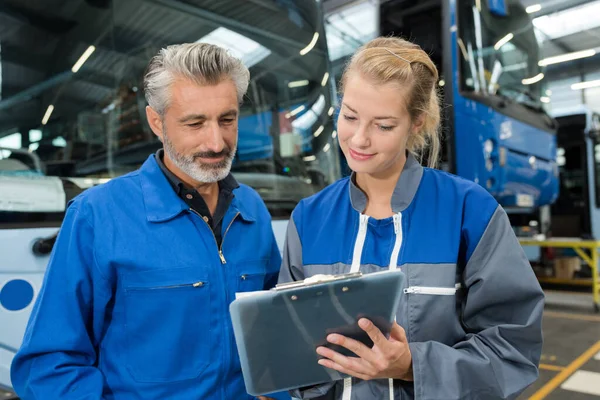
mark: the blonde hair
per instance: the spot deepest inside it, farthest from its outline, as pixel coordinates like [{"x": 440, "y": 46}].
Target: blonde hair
[{"x": 394, "y": 60}]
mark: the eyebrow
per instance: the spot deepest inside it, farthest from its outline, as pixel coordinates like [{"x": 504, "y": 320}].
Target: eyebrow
[
  {"x": 197, "y": 117},
  {"x": 230, "y": 113},
  {"x": 192, "y": 117},
  {"x": 380, "y": 117}
]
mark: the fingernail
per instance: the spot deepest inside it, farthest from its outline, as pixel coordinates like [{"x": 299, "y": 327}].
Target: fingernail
[
  {"x": 321, "y": 362},
  {"x": 364, "y": 323},
  {"x": 320, "y": 351},
  {"x": 333, "y": 338}
]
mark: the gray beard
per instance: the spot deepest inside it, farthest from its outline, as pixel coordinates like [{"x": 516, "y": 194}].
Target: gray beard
[{"x": 200, "y": 172}]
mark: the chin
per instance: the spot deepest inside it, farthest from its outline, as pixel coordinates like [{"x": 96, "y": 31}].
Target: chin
[{"x": 363, "y": 167}]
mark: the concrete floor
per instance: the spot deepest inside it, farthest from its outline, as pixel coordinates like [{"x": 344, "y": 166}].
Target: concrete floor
[{"x": 570, "y": 365}]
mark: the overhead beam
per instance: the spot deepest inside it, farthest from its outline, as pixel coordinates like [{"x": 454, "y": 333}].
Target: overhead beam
[{"x": 219, "y": 20}]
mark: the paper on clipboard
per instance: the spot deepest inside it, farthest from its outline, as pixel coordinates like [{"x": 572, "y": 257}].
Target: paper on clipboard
[{"x": 315, "y": 279}]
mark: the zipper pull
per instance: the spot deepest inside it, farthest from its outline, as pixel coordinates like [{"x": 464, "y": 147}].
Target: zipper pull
[
  {"x": 364, "y": 219},
  {"x": 198, "y": 284},
  {"x": 222, "y": 257},
  {"x": 397, "y": 223}
]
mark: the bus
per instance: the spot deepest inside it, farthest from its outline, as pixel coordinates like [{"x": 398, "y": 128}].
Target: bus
[
  {"x": 497, "y": 132},
  {"x": 72, "y": 114},
  {"x": 576, "y": 212}
]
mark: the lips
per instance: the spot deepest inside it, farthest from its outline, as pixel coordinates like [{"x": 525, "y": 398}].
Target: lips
[
  {"x": 211, "y": 160},
  {"x": 360, "y": 156}
]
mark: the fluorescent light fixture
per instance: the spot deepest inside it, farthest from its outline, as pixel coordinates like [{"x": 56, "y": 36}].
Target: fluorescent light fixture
[
  {"x": 311, "y": 45},
  {"x": 35, "y": 135},
  {"x": 325, "y": 79},
  {"x": 295, "y": 84},
  {"x": 545, "y": 99},
  {"x": 503, "y": 41},
  {"x": 533, "y": 9},
  {"x": 532, "y": 80},
  {"x": 86, "y": 54},
  {"x": 309, "y": 118},
  {"x": 330, "y": 112},
  {"x": 240, "y": 46},
  {"x": 326, "y": 147},
  {"x": 548, "y": 92},
  {"x": 310, "y": 158},
  {"x": 294, "y": 112},
  {"x": 319, "y": 131},
  {"x": 59, "y": 142},
  {"x": 567, "y": 57},
  {"x": 334, "y": 134},
  {"x": 12, "y": 141},
  {"x": 48, "y": 114},
  {"x": 442, "y": 83},
  {"x": 585, "y": 85}
]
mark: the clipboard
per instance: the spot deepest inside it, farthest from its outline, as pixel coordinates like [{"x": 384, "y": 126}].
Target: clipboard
[{"x": 277, "y": 331}]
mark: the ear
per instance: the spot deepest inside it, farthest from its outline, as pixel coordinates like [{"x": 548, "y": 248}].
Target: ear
[
  {"x": 417, "y": 124},
  {"x": 155, "y": 122}
]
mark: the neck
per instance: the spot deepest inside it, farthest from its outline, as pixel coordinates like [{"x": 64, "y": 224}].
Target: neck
[{"x": 379, "y": 187}]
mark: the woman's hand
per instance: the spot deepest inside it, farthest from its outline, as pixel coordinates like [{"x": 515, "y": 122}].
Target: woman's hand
[{"x": 386, "y": 359}]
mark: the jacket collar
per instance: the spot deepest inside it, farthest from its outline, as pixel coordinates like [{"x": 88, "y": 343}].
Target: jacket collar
[
  {"x": 163, "y": 204},
  {"x": 404, "y": 192}
]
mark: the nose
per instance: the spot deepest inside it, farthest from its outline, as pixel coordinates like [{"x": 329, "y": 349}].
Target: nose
[
  {"x": 214, "y": 139},
  {"x": 360, "y": 138}
]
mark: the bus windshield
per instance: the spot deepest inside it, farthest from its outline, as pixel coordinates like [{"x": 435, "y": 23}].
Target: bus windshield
[
  {"x": 71, "y": 90},
  {"x": 499, "y": 52}
]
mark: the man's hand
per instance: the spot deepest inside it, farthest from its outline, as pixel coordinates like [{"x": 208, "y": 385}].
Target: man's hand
[{"x": 386, "y": 359}]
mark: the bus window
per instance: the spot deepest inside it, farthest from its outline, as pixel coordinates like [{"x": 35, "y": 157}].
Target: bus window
[{"x": 71, "y": 90}]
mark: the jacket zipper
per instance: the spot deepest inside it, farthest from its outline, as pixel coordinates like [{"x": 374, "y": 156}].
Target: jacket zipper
[
  {"x": 440, "y": 291},
  {"x": 195, "y": 284},
  {"x": 223, "y": 261},
  {"x": 219, "y": 248}
]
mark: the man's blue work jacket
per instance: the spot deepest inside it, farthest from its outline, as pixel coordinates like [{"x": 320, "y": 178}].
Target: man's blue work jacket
[{"x": 135, "y": 301}]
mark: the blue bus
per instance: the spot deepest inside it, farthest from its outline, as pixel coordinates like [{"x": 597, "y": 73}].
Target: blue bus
[
  {"x": 576, "y": 212},
  {"x": 72, "y": 115},
  {"x": 496, "y": 130}
]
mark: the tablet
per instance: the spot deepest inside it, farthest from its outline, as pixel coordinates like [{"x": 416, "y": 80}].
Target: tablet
[{"x": 277, "y": 331}]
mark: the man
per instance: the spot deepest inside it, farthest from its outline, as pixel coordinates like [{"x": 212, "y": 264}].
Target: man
[{"x": 135, "y": 299}]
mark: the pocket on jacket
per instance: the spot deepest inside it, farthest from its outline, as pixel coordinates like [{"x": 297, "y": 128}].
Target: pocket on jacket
[
  {"x": 167, "y": 328},
  {"x": 431, "y": 298},
  {"x": 251, "y": 276}
]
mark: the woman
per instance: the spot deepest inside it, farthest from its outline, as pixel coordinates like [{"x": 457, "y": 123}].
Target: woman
[{"x": 469, "y": 321}]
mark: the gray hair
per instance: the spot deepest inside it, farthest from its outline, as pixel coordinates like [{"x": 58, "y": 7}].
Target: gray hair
[{"x": 202, "y": 63}]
